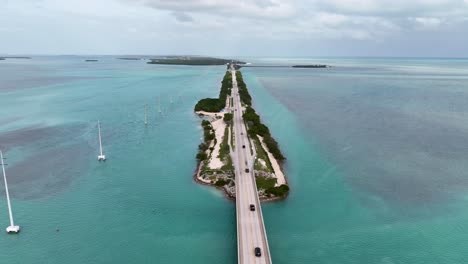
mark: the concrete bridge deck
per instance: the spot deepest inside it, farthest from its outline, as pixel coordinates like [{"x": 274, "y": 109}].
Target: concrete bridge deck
[{"x": 251, "y": 231}]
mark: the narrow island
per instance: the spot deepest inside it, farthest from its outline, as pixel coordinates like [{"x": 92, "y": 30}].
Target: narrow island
[
  {"x": 192, "y": 61},
  {"x": 91, "y": 60},
  {"x": 316, "y": 66},
  {"x": 215, "y": 153},
  {"x": 129, "y": 58}
]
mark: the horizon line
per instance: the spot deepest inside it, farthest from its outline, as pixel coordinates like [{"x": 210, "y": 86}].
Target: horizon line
[{"x": 238, "y": 56}]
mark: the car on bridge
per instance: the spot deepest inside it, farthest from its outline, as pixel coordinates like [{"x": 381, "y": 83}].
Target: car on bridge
[
  {"x": 247, "y": 170},
  {"x": 252, "y": 207},
  {"x": 258, "y": 252}
]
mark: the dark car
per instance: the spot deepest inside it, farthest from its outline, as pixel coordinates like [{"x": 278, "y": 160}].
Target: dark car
[
  {"x": 252, "y": 207},
  {"x": 247, "y": 170},
  {"x": 243, "y": 146},
  {"x": 258, "y": 252}
]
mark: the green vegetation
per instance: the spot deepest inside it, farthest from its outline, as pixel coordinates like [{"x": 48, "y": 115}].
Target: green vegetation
[
  {"x": 228, "y": 117},
  {"x": 233, "y": 146},
  {"x": 243, "y": 92},
  {"x": 191, "y": 60},
  {"x": 201, "y": 156},
  {"x": 208, "y": 136},
  {"x": 226, "y": 86},
  {"x": 261, "y": 154},
  {"x": 264, "y": 183},
  {"x": 268, "y": 184},
  {"x": 217, "y": 104},
  {"x": 279, "y": 191},
  {"x": 224, "y": 147},
  {"x": 273, "y": 147},
  {"x": 224, "y": 152},
  {"x": 257, "y": 128},
  {"x": 221, "y": 182},
  {"x": 209, "y": 105}
]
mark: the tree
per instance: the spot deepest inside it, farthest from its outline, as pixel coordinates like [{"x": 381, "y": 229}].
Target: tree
[
  {"x": 228, "y": 117},
  {"x": 202, "y": 156}
]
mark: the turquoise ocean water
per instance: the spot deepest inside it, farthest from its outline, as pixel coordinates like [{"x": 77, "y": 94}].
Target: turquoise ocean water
[{"x": 376, "y": 149}]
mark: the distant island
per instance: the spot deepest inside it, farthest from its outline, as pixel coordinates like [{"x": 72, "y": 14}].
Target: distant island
[
  {"x": 13, "y": 57},
  {"x": 192, "y": 60},
  {"x": 129, "y": 58},
  {"x": 311, "y": 66},
  {"x": 91, "y": 60}
]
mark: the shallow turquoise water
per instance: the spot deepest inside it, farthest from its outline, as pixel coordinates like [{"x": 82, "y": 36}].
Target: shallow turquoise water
[
  {"x": 376, "y": 162},
  {"x": 141, "y": 206}
]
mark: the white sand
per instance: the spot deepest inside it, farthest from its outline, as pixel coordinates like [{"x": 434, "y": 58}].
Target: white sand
[
  {"x": 274, "y": 163},
  {"x": 262, "y": 162},
  {"x": 212, "y": 115},
  {"x": 218, "y": 126},
  {"x": 203, "y": 180}
]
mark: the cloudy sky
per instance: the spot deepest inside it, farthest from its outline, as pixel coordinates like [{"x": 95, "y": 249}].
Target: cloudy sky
[{"x": 436, "y": 28}]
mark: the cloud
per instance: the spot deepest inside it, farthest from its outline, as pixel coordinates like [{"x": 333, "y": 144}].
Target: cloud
[
  {"x": 272, "y": 9},
  {"x": 427, "y": 22},
  {"x": 255, "y": 24},
  {"x": 182, "y": 17},
  {"x": 355, "y": 19}
]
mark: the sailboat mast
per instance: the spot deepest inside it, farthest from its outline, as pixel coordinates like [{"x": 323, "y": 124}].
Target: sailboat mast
[
  {"x": 100, "y": 143},
  {"x": 159, "y": 103},
  {"x": 146, "y": 118},
  {"x": 6, "y": 190}
]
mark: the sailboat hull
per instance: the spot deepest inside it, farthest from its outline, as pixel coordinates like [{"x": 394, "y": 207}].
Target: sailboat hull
[{"x": 13, "y": 229}]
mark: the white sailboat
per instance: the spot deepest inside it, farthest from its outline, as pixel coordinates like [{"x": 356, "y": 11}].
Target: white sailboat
[
  {"x": 170, "y": 98},
  {"x": 101, "y": 156},
  {"x": 146, "y": 116},
  {"x": 12, "y": 228}
]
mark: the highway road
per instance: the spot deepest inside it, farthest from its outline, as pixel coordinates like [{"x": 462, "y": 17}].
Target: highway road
[{"x": 251, "y": 231}]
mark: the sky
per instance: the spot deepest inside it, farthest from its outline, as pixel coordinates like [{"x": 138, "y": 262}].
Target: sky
[{"x": 398, "y": 28}]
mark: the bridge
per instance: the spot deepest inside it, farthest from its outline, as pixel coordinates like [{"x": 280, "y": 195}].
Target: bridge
[{"x": 251, "y": 231}]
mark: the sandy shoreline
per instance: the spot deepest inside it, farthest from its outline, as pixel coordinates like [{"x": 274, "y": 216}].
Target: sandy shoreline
[
  {"x": 197, "y": 179},
  {"x": 219, "y": 127},
  {"x": 278, "y": 173}
]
